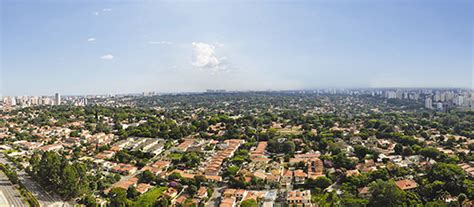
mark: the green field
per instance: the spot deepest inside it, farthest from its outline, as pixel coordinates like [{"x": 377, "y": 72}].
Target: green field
[
  {"x": 149, "y": 198},
  {"x": 175, "y": 156}
]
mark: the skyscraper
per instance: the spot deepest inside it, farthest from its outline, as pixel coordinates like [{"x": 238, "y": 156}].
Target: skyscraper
[
  {"x": 459, "y": 100},
  {"x": 57, "y": 99},
  {"x": 428, "y": 103}
]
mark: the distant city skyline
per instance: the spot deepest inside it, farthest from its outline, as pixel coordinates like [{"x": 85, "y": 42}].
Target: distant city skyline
[
  {"x": 108, "y": 47},
  {"x": 439, "y": 99}
]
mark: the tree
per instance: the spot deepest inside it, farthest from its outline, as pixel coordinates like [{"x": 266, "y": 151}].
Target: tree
[
  {"x": 146, "y": 177},
  {"x": 49, "y": 169},
  {"x": 412, "y": 199},
  {"x": 74, "y": 134},
  {"x": 249, "y": 203},
  {"x": 433, "y": 190},
  {"x": 174, "y": 176},
  {"x": 192, "y": 190},
  {"x": 162, "y": 201},
  {"x": 385, "y": 193},
  {"x": 54, "y": 171},
  {"x": 451, "y": 174},
  {"x": 398, "y": 149},
  {"x": 461, "y": 198},
  {"x": 381, "y": 174},
  {"x": 354, "y": 201},
  {"x": 118, "y": 197},
  {"x": 199, "y": 180},
  {"x": 322, "y": 182},
  {"x": 407, "y": 151},
  {"x": 341, "y": 160},
  {"x": 329, "y": 199},
  {"x": 289, "y": 147},
  {"x": 69, "y": 178},
  {"x": 11, "y": 174},
  {"x": 190, "y": 159},
  {"x": 361, "y": 151},
  {"x": 436, "y": 204},
  {"x": 430, "y": 152},
  {"x": 132, "y": 192},
  {"x": 231, "y": 171},
  {"x": 89, "y": 201}
]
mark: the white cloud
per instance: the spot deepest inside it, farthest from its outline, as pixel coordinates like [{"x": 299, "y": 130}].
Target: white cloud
[
  {"x": 205, "y": 57},
  {"x": 107, "y": 57},
  {"x": 103, "y": 10},
  {"x": 160, "y": 43},
  {"x": 90, "y": 39}
]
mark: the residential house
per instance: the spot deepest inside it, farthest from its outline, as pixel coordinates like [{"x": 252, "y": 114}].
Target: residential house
[
  {"x": 299, "y": 198},
  {"x": 406, "y": 184},
  {"x": 286, "y": 178},
  {"x": 124, "y": 169},
  {"x": 300, "y": 176}
]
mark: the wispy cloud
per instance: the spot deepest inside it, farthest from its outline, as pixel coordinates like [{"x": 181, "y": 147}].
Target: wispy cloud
[
  {"x": 160, "y": 43},
  {"x": 102, "y": 11},
  {"x": 91, "y": 39},
  {"x": 107, "y": 57},
  {"x": 218, "y": 44},
  {"x": 205, "y": 58}
]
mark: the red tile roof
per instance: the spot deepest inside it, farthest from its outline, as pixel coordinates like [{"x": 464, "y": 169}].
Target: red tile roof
[{"x": 406, "y": 184}]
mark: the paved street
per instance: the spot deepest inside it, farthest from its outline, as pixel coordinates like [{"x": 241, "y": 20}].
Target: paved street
[
  {"x": 215, "y": 197},
  {"x": 9, "y": 194},
  {"x": 44, "y": 198}
]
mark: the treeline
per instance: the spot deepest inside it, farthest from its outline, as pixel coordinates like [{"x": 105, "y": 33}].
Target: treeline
[
  {"x": 138, "y": 158},
  {"x": 167, "y": 129},
  {"x": 55, "y": 172},
  {"x": 440, "y": 180},
  {"x": 11, "y": 174}
]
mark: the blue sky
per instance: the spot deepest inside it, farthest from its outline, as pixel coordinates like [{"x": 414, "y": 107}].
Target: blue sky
[{"x": 97, "y": 47}]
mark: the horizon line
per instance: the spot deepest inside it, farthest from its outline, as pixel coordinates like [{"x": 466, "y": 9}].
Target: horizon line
[{"x": 242, "y": 91}]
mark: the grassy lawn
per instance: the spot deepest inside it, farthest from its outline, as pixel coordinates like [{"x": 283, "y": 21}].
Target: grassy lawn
[
  {"x": 175, "y": 156},
  {"x": 8, "y": 151},
  {"x": 148, "y": 198}
]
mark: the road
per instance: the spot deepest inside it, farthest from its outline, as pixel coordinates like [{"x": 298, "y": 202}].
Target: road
[
  {"x": 9, "y": 194},
  {"x": 44, "y": 198},
  {"x": 215, "y": 197}
]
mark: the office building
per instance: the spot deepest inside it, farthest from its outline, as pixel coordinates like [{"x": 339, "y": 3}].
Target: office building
[
  {"x": 57, "y": 99},
  {"x": 428, "y": 103}
]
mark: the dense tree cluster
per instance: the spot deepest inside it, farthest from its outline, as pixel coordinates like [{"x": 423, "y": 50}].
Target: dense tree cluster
[{"x": 55, "y": 172}]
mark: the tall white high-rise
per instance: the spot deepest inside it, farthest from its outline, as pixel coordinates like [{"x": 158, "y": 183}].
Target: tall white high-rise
[
  {"x": 459, "y": 100},
  {"x": 391, "y": 94},
  {"x": 57, "y": 99},
  {"x": 428, "y": 103}
]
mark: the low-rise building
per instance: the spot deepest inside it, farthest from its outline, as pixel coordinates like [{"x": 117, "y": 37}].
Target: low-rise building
[
  {"x": 143, "y": 187},
  {"x": 124, "y": 169},
  {"x": 300, "y": 176},
  {"x": 299, "y": 198},
  {"x": 51, "y": 147},
  {"x": 406, "y": 184}
]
